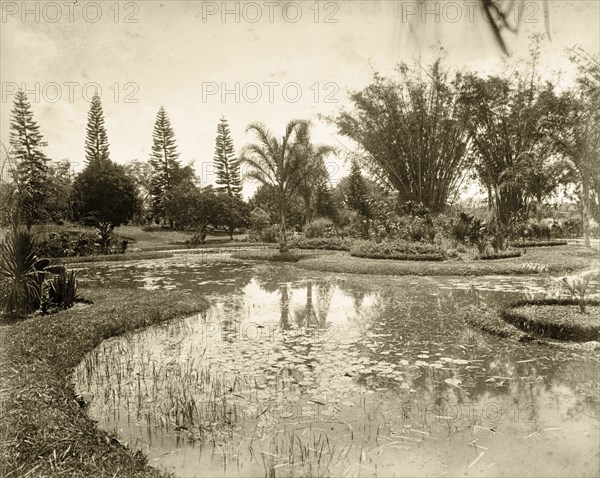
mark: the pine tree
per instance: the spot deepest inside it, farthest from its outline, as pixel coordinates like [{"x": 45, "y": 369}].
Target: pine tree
[
  {"x": 357, "y": 197},
  {"x": 226, "y": 165},
  {"x": 31, "y": 173},
  {"x": 324, "y": 206},
  {"x": 164, "y": 159},
  {"x": 96, "y": 140}
]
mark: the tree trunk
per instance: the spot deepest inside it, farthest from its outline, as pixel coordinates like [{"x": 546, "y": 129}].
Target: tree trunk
[
  {"x": 307, "y": 210},
  {"x": 538, "y": 209},
  {"x": 283, "y": 247},
  {"x": 585, "y": 210}
]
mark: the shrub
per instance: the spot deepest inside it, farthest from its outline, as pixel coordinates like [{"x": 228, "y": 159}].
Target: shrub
[
  {"x": 21, "y": 274},
  {"x": 270, "y": 234},
  {"x": 62, "y": 289},
  {"x": 197, "y": 239},
  {"x": 572, "y": 228},
  {"x": 325, "y": 243},
  {"x": 320, "y": 227},
  {"x": 74, "y": 243},
  {"x": 399, "y": 250},
  {"x": 461, "y": 226},
  {"x": 415, "y": 229},
  {"x": 259, "y": 219}
]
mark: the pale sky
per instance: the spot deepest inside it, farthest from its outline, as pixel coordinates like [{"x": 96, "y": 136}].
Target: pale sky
[{"x": 185, "y": 55}]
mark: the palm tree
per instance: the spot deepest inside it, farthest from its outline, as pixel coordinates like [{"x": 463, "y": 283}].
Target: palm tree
[{"x": 277, "y": 163}]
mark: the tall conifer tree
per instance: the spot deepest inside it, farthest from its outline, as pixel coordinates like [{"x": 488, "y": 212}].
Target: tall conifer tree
[
  {"x": 357, "y": 197},
  {"x": 96, "y": 140},
  {"x": 31, "y": 173},
  {"x": 164, "y": 159},
  {"x": 226, "y": 165}
]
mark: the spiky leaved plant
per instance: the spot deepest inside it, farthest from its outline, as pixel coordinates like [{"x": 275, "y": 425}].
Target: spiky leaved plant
[
  {"x": 578, "y": 285},
  {"x": 21, "y": 274},
  {"x": 62, "y": 289}
]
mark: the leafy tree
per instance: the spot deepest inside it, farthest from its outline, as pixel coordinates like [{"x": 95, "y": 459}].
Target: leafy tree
[
  {"x": 164, "y": 159},
  {"x": 504, "y": 116},
  {"x": 96, "y": 140},
  {"x": 259, "y": 219},
  {"x": 105, "y": 197},
  {"x": 412, "y": 133},
  {"x": 60, "y": 191},
  {"x": 575, "y": 129},
  {"x": 226, "y": 165},
  {"x": 539, "y": 177},
  {"x": 266, "y": 197},
  {"x": 193, "y": 207},
  {"x": 141, "y": 173},
  {"x": 231, "y": 212},
  {"x": 31, "y": 172},
  {"x": 276, "y": 163}
]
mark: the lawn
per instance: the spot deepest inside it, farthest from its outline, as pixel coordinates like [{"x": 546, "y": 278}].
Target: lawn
[{"x": 555, "y": 260}]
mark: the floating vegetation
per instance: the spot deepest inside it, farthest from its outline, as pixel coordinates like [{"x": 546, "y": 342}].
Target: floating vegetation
[{"x": 304, "y": 374}]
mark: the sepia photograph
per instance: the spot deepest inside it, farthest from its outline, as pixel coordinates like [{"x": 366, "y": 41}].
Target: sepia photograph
[{"x": 299, "y": 239}]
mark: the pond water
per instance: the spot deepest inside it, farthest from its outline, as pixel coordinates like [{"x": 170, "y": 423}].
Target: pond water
[{"x": 299, "y": 373}]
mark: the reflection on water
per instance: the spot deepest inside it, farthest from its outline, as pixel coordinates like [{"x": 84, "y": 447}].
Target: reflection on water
[{"x": 300, "y": 373}]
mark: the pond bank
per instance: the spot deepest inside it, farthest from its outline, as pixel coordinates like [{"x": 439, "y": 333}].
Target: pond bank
[
  {"x": 563, "y": 329},
  {"x": 43, "y": 429}
]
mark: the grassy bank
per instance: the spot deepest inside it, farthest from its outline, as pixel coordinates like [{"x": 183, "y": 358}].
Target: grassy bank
[
  {"x": 555, "y": 260},
  {"x": 489, "y": 320},
  {"x": 43, "y": 430},
  {"x": 557, "y": 319}
]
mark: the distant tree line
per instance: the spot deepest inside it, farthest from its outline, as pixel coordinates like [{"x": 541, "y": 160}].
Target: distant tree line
[{"x": 418, "y": 137}]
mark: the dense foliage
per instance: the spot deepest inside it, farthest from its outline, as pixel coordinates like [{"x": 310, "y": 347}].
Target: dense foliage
[{"x": 412, "y": 133}]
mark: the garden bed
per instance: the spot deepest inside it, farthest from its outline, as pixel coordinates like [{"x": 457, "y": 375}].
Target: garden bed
[
  {"x": 539, "y": 244},
  {"x": 323, "y": 243},
  {"x": 555, "y": 318},
  {"x": 44, "y": 431},
  {"x": 396, "y": 250},
  {"x": 500, "y": 255}
]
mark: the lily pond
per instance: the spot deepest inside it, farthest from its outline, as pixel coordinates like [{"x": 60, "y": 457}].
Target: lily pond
[{"x": 299, "y": 373}]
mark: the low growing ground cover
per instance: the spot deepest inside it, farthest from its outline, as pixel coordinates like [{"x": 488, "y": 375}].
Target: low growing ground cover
[
  {"x": 397, "y": 250},
  {"x": 556, "y": 318},
  {"x": 44, "y": 431}
]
